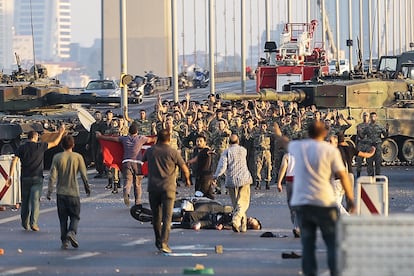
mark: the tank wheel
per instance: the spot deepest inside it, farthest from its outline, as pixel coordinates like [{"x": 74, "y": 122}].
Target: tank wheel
[
  {"x": 389, "y": 150},
  {"x": 408, "y": 150}
]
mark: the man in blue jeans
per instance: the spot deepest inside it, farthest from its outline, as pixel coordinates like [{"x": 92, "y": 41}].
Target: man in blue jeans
[
  {"x": 31, "y": 157},
  {"x": 313, "y": 196}
]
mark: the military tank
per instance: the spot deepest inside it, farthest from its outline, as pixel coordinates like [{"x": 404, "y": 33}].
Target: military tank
[
  {"x": 391, "y": 99},
  {"x": 32, "y": 101}
]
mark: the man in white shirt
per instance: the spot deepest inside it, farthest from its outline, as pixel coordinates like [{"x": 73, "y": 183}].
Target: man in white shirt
[{"x": 313, "y": 196}]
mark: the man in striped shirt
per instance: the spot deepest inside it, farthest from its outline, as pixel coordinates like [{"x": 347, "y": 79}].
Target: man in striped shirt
[{"x": 233, "y": 162}]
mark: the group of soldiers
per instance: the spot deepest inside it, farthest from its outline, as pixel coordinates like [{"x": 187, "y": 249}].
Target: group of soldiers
[{"x": 253, "y": 121}]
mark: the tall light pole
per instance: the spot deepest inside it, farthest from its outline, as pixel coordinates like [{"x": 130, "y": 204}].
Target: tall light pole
[
  {"x": 370, "y": 34},
  {"x": 225, "y": 35},
  {"x": 386, "y": 27},
  {"x": 243, "y": 45},
  {"x": 182, "y": 35},
  {"x": 234, "y": 36},
  {"x": 124, "y": 59},
  {"x": 378, "y": 29},
  {"x": 251, "y": 34},
  {"x": 350, "y": 34},
  {"x": 212, "y": 40},
  {"x": 267, "y": 19},
  {"x": 195, "y": 32},
  {"x": 174, "y": 50},
  {"x": 338, "y": 45},
  {"x": 361, "y": 30}
]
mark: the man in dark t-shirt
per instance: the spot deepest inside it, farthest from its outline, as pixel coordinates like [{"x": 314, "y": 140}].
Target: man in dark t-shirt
[
  {"x": 162, "y": 161},
  {"x": 203, "y": 172},
  {"x": 31, "y": 157}
]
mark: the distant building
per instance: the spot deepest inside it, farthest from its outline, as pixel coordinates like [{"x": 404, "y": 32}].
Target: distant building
[
  {"x": 149, "y": 37},
  {"x": 6, "y": 35},
  {"x": 51, "y": 40}
]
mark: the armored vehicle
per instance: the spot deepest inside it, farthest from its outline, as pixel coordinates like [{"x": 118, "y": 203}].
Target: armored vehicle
[
  {"x": 32, "y": 101},
  {"x": 392, "y": 100}
]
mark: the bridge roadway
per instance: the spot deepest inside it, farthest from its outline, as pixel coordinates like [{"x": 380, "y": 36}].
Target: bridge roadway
[{"x": 113, "y": 243}]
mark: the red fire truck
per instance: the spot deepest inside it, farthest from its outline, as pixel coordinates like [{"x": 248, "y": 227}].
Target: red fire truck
[{"x": 296, "y": 59}]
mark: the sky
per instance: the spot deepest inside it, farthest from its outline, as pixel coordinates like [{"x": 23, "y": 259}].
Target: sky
[{"x": 86, "y": 21}]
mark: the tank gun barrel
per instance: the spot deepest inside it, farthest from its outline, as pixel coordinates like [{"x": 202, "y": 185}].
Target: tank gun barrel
[
  {"x": 57, "y": 98},
  {"x": 267, "y": 94}
]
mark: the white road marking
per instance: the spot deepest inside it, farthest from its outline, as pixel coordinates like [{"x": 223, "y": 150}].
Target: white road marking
[
  {"x": 83, "y": 256},
  {"x": 140, "y": 241},
  {"x": 42, "y": 211},
  {"x": 19, "y": 270}
]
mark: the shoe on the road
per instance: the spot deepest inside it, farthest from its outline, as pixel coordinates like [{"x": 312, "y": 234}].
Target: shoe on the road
[
  {"x": 65, "y": 245},
  {"x": 165, "y": 248},
  {"x": 71, "y": 236},
  {"x": 108, "y": 187},
  {"x": 158, "y": 245},
  {"x": 35, "y": 228},
  {"x": 290, "y": 255},
  {"x": 296, "y": 233}
]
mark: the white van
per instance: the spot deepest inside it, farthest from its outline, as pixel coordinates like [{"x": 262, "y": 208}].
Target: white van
[{"x": 343, "y": 67}]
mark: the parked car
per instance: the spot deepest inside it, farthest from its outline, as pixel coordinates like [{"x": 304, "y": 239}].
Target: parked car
[
  {"x": 343, "y": 67},
  {"x": 103, "y": 88}
]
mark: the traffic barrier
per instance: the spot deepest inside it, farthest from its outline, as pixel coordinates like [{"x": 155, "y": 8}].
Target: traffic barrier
[
  {"x": 375, "y": 245},
  {"x": 372, "y": 195},
  {"x": 9, "y": 195}
]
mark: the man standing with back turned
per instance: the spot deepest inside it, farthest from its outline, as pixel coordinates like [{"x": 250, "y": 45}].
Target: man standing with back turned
[
  {"x": 162, "y": 161},
  {"x": 64, "y": 171},
  {"x": 313, "y": 196}
]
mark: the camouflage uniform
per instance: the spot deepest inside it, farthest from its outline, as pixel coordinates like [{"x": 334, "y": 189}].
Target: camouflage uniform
[
  {"x": 363, "y": 144},
  {"x": 144, "y": 126},
  {"x": 220, "y": 142},
  {"x": 373, "y": 134},
  {"x": 262, "y": 157}
]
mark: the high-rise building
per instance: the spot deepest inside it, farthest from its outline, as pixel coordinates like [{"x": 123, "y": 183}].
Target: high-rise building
[
  {"x": 50, "y": 21},
  {"x": 6, "y": 35}
]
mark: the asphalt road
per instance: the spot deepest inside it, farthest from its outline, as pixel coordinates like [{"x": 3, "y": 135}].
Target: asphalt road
[{"x": 113, "y": 243}]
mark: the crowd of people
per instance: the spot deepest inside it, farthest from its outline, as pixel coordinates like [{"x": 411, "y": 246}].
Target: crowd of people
[
  {"x": 249, "y": 142},
  {"x": 254, "y": 123}
]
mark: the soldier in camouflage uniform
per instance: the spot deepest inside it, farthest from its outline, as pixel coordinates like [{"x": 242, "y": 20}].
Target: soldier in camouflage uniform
[
  {"x": 263, "y": 157},
  {"x": 144, "y": 125},
  {"x": 374, "y": 132},
  {"x": 362, "y": 142},
  {"x": 236, "y": 126},
  {"x": 247, "y": 141},
  {"x": 219, "y": 141}
]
